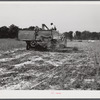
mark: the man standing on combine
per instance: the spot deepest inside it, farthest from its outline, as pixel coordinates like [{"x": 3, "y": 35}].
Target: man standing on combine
[{"x": 53, "y": 27}]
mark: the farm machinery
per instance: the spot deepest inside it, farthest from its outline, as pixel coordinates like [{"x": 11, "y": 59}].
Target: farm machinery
[{"x": 39, "y": 39}]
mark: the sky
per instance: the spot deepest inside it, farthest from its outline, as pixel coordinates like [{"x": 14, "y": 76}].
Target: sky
[{"x": 66, "y": 16}]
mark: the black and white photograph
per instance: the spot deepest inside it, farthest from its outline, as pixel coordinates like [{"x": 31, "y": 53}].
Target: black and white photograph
[{"x": 49, "y": 45}]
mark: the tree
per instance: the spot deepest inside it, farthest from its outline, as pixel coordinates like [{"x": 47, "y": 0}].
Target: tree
[
  {"x": 94, "y": 36},
  {"x": 31, "y": 28},
  {"x": 70, "y": 35},
  {"x": 13, "y": 31},
  {"x": 65, "y": 34},
  {"x": 78, "y": 35},
  {"x": 99, "y": 35},
  {"x": 4, "y": 32},
  {"x": 86, "y": 35}
]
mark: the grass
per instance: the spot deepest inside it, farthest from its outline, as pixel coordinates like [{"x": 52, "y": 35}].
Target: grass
[
  {"x": 10, "y": 44},
  {"x": 89, "y": 73}
]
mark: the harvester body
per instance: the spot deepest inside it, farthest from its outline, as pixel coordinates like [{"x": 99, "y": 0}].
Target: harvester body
[{"x": 41, "y": 38}]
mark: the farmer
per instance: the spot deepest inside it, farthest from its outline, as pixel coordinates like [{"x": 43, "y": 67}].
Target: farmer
[{"x": 52, "y": 27}]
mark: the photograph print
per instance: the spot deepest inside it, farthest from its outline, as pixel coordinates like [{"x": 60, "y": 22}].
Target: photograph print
[{"x": 49, "y": 45}]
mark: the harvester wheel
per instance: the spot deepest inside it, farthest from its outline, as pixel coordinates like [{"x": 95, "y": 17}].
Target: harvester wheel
[{"x": 33, "y": 44}]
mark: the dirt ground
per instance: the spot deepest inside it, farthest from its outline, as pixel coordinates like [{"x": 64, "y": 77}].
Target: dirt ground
[{"x": 35, "y": 70}]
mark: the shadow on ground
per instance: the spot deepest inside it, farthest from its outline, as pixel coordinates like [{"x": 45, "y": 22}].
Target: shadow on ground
[{"x": 63, "y": 50}]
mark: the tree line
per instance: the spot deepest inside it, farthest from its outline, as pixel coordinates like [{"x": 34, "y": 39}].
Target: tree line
[
  {"x": 84, "y": 35},
  {"x": 12, "y": 32}
]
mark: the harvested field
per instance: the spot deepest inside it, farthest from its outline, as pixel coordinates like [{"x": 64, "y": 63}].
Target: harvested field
[{"x": 76, "y": 69}]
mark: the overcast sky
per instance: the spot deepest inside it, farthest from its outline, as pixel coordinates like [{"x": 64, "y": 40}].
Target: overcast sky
[{"x": 67, "y": 16}]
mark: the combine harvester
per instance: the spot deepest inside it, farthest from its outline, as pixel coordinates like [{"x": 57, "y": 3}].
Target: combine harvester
[{"x": 40, "y": 39}]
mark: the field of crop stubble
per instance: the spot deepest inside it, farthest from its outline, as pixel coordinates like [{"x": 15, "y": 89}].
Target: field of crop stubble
[{"x": 34, "y": 70}]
